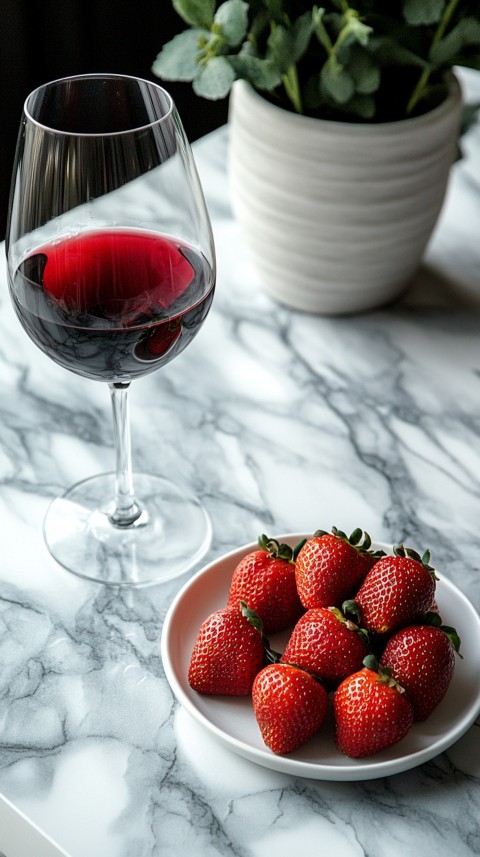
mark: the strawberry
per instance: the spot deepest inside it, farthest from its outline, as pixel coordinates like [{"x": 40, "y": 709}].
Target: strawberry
[
  {"x": 331, "y": 566},
  {"x": 422, "y": 659},
  {"x": 265, "y": 580},
  {"x": 395, "y": 591},
  {"x": 227, "y": 654},
  {"x": 371, "y": 712},
  {"x": 289, "y": 705},
  {"x": 327, "y": 645}
]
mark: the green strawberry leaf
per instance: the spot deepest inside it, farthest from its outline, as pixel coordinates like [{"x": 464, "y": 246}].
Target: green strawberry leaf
[
  {"x": 367, "y": 542},
  {"x": 370, "y": 662},
  {"x": 384, "y": 673},
  {"x": 363, "y": 633},
  {"x": 340, "y": 534},
  {"x": 360, "y": 540},
  {"x": 277, "y": 550},
  {"x": 253, "y": 618},
  {"x": 433, "y": 619},
  {"x": 356, "y": 536},
  {"x": 426, "y": 559},
  {"x": 401, "y": 550},
  {"x": 351, "y": 607},
  {"x": 298, "y": 547},
  {"x": 352, "y": 626},
  {"x": 452, "y": 635}
]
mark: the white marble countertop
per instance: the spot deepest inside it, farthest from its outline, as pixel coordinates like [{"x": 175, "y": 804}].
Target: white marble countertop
[{"x": 282, "y": 422}]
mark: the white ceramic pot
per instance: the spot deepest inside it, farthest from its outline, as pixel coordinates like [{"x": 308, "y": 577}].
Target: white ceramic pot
[{"x": 337, "y": 215}]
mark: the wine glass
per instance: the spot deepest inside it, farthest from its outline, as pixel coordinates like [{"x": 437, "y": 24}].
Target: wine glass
[{"x": 111, "y": 270}]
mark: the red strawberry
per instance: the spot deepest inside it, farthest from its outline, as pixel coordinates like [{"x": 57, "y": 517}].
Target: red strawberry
[
  {"x": 289, "y": 705},
  {"x": 265, "y": 580},
  {"x": 330, "y": 567},
  {"x": 227, "y": 655},
  {"x": 422, "y": 659},
  {"x": 371, "y": 712},
  {"x": 396, "y": 590},
  {"x": 327, "y": 645}
]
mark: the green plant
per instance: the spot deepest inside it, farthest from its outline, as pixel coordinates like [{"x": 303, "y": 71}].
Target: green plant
[{"x": 363, "y": 60}]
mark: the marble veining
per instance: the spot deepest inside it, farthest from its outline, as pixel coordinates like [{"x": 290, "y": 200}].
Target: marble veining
[{"x": 282, "y": 422}]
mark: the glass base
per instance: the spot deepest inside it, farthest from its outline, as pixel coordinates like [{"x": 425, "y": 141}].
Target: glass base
[{"x": 172, "y": 533}]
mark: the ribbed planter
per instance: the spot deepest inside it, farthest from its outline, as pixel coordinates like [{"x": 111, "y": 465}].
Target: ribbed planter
[{"x": 337, "y": 215}]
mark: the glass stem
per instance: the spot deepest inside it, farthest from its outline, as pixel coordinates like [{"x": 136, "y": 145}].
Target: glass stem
[{"x": 126, "y": 510}]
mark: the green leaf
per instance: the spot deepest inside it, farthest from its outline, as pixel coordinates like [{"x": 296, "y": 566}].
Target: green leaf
[
  {"x": 367, "y": 542},
  {"x": 391, "y": 53},
  {"x": 285, "y": 46},
  {"x": 279, "y": 49},
  {"x": 370, "y": 662},
  {"x": 467, "y": 32},
  {"x": 274, "y": 548},
  {"x": 356, "y": 536},
  {"x": 215, "y": 79},
  {"x": 274, "y": 9},
  {"x": 178, "y": 58},
  {"x": 261, "y": 73},
  {"x": 312, "y": 96},
  {"x": 252, "y": 617},
  {"x": 354, "y": 30},
  {"x": 426, "y": 12},
  {"x": 452, "y": 635},
  {"x": 426, "y": 557},
  {"x": 301, "y": 33},
  {"x": 336, "y": 82},
  {"x": 353, "y": 608},
  {"x": 365, "y": 72},
  {"x": 196, "y": 13},
  {"x": 232, "y": 17},
  {"x": 298, "y": 547},
  {"x": 363, "y": 107},
  {"x": 433, "y": 619},
  {"x": 320, "y": 30}
]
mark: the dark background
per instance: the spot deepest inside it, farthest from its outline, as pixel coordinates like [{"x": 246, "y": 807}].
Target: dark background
[{"x": 41, "y": 41}]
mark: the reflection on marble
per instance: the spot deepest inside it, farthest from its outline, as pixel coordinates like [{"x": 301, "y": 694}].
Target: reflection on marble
[{"x": 281, "y": 422}]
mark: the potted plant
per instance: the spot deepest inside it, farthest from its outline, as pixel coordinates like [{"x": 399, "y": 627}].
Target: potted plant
[{"x": 344, "y": 122}]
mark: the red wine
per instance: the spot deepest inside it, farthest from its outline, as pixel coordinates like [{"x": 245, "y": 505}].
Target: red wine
[{"x": 113, "y": 305}]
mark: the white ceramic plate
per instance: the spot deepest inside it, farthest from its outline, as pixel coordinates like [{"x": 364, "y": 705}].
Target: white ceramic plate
[{"x": 232, "y": 722}]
